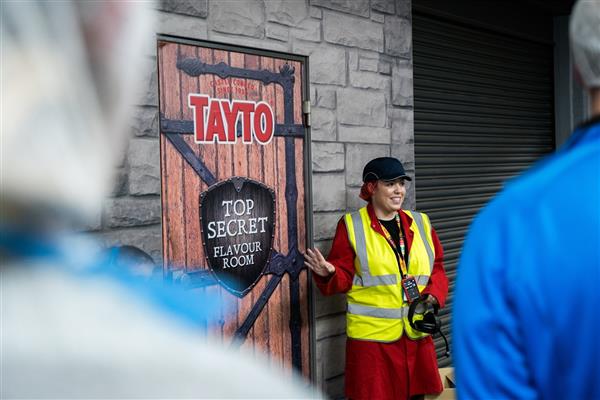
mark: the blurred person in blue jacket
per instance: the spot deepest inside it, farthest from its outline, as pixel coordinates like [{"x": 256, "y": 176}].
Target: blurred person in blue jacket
[
  {"x": 527, "y": 308},
  {"x": 73, "y": 324}
]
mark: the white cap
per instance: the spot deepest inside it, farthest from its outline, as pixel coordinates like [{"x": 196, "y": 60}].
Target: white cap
[{"x": 585, "y": 41}]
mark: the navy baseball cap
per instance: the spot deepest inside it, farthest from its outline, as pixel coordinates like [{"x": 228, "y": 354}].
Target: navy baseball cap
[{"x": 385, "y": 169}]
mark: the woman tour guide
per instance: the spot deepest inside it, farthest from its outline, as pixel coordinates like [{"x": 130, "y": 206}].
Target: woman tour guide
[{"x": 376, "y": 251}]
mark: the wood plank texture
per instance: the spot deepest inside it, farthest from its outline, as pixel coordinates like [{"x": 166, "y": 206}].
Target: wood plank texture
[{"x": 181, "y": 188}]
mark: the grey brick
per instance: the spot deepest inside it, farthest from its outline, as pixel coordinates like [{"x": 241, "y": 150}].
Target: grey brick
[
  {"x": 365, "y": 80},
  {"x": 361, "y": 107},
  {"x": 309, "y": 29},
  {"x": 362, "y": 53},
  {"x": 402, "y": 126},
  {"x": 195, "y": 8},
  {"x": 331, "y": 192},
  {"x": 324, "y": 246},
  {"x": 144, "y": 167},
  {"x": 145, "y": 122},
  {"x": 278, "y": 32},
  {"x": 329, "y": 305},
  {"x": 286, "y": 12},
  {"x": 368, "y": 64},
  {"x": 324, "y": 224},
  {"x": 130, "y": 211},
  {"x": 316, "y": 12},
  {"x": 384, "y": 67},
  {"x": 264, "y": 44},
  {"x": 334, "y": 387},
  {"x": 327, "y": 63},
  {"x": 384, "y": 6},
  {"x": 357, "y": 7},
  {"x": 147, "y": 238},
  {"x": 409, "y": 167},
  {"x": 319, "y": 377},
  {"x": 333, "y": 325},
  {"x": 147, "y": 91},
  {"x": 352, "y": 31},
  {"x": 119, "y": 183},
  {"x": 361, "y": 134},
  {"x": 409, "y": 200},
  {"x": 377, "y": 17},
  {"x": 398, "y": 36},
  {"x": 327, "y": 157},
  {"x": 402, "y": 85},
  {"x": 313, "y": 95},
  {"x": 369, "y": 80},
  {"x": 182, "y": 25},
  {"x": 404, "y": 8},
  {"x": 333, "y": 354},
  {"x": 244, "y": 18},
  {"x": 325, "y": 97},
  {"x": 357, "y": 155},
  {"x": 353, "y": 201},
  {"x": 121, "y": 155},
  {"x": 323, "y": 125},
  {"x": 404, "y": 153}
]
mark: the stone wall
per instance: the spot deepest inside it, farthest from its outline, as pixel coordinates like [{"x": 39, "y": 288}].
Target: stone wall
[{"x": 360, "y": 60}]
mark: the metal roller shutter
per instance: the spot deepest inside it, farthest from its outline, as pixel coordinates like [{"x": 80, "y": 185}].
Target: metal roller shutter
[{"x": 484, "y": 112}]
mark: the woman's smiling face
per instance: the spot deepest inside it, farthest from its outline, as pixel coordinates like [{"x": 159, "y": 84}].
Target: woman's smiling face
[{"x": 388, "y": 196}]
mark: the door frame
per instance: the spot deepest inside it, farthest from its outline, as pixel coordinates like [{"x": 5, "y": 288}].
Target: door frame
[{"x": 305, "y": 90}]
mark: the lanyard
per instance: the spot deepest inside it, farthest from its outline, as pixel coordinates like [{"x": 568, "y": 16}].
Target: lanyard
[{"x": 398, "y": 251}]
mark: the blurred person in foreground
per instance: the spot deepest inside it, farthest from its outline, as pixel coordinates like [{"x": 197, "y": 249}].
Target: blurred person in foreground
[
  {"x": 72, "y": 326},
  {"x": 374, "y": 252},
  {"x": 527, "y": 306}
]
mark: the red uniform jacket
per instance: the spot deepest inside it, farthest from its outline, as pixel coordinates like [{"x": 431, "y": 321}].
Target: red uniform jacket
[{"x": 377, "y": 370}]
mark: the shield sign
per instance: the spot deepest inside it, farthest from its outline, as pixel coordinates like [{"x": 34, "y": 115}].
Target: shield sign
[{"x": 237, "y": 218}]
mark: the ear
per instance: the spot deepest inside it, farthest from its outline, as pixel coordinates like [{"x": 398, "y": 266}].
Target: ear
[{"x": 373, "y": 186}]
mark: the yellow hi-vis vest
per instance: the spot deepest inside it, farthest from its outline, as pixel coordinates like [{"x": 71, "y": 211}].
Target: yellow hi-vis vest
[{"x": 376, "y": 309}]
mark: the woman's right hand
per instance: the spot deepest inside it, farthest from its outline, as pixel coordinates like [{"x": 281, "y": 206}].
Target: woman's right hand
[{"x": 317, "y": 263}]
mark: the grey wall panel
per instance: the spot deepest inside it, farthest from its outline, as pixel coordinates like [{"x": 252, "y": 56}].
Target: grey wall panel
[{"x": 484, "y": 112}]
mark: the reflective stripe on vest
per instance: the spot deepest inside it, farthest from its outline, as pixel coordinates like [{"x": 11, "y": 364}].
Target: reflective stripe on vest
[
  {"x": 365, "y": 278},
  {"x": 376, "y": 310},
  {"x": 418, "y": 218},
  {"x": 390, "y": 313}
]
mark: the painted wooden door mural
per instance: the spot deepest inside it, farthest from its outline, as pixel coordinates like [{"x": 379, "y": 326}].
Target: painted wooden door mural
[{"x": 233, "y": 178}]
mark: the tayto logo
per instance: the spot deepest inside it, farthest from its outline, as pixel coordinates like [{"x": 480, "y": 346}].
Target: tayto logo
[{"x": 217, "y": 120}]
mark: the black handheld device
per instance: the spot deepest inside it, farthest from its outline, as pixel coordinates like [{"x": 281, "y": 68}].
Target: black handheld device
[{"x": 411, "y": 290}]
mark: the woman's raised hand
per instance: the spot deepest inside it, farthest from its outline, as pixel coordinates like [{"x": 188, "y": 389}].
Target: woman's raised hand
[{"x": 314, "y": 260}]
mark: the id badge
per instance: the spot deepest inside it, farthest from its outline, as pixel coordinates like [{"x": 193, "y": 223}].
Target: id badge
[{"x": 410, "y": 290}]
